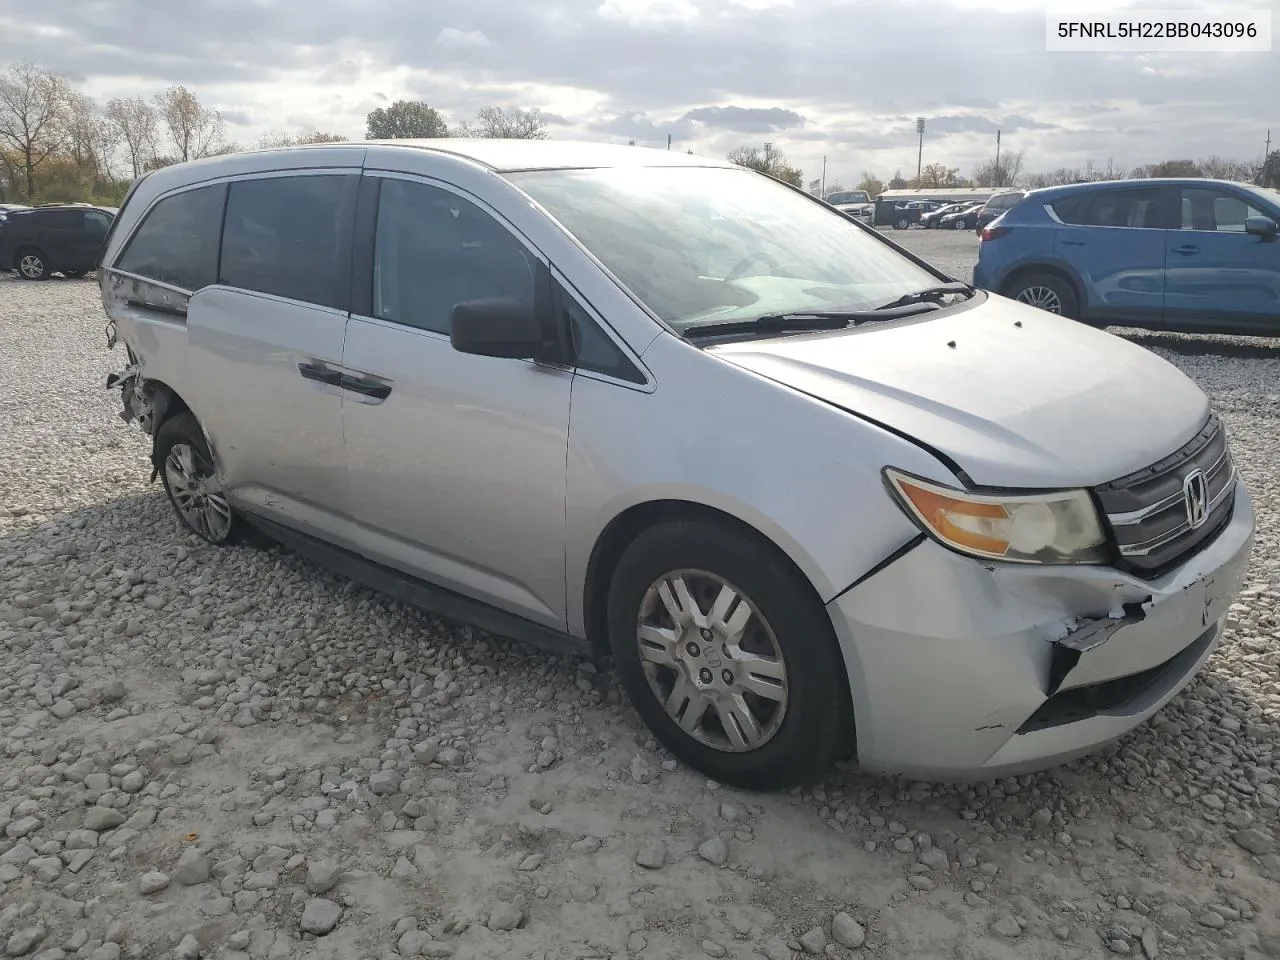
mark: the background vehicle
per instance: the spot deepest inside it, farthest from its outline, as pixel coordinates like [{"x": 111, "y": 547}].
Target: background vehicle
[
  {"x": 1195, "y": 255},
  {"x": 905, "y": 214},
  {"x": 760, "y": 585},
  {"x": 930, "y": 219},
  {"x": 996, "y": 206},
  {"x": 962, "y": 219},
  {"x": 56, "y": 238},
  {"x": 856, "y": 203}
]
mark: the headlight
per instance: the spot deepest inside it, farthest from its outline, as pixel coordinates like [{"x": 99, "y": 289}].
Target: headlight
[{"x": 1058, "y": 527}]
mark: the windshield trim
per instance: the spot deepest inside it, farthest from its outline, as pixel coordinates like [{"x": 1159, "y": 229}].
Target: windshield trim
[{"x": 514, "y": 178}]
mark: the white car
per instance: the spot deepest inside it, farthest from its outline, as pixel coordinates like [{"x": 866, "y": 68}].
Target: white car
[{"x": 856, "y": 203}]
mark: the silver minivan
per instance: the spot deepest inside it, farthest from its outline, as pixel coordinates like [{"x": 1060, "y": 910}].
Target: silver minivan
[{"x": 812, "y": 496}]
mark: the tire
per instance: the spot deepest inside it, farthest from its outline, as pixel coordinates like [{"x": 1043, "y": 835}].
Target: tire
[
  {"x": 31, "y": 264},
  {"x": 962, "y": 225},
  {"x": 186, "y": 464},
  {"x": 902, "y": 223},
  {"x": 1046, "y": 291},
  {"x": 798, "y": 734}
]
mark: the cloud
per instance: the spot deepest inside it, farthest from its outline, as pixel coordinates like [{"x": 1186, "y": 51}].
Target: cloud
[
  {"x": 816, "y": 77},
  {"x": 746, "y": 119}
]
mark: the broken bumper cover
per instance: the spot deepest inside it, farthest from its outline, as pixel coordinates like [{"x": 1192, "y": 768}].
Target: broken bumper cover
[{"x": 964, "y": 670}]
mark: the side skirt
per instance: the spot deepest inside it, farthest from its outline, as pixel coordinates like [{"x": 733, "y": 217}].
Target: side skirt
[{"x": 420, "y": 593}]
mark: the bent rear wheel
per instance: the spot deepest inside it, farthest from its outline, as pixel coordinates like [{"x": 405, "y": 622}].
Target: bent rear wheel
[
  {"x": 191, "y": 481},
  {"x": 727, "y": 656}
]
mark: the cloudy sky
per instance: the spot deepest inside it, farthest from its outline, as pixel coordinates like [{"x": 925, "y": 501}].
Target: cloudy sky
[{"x": 840, "y": 78}]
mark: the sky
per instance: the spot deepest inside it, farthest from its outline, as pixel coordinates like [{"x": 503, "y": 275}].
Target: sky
[{"x": 840, "y": 79}]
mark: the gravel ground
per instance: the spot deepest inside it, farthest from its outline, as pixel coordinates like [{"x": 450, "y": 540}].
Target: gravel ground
[{"x": 229, "y": 753}]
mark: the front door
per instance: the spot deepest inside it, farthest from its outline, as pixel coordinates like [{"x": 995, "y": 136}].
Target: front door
[
  {"x": 1215, "y": 273},
  {"x": 457, "y": 466}
]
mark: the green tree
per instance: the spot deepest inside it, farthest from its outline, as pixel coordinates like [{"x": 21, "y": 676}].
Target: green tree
[
  {"x": 896, "y": 182},
  {"x": 1269, "y": 174},
  {"x": 405, "y": 119}
]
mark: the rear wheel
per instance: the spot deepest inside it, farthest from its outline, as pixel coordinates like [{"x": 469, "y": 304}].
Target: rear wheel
[
  {"x": 1046, "y": 291},
  {"x": 962, "y": 224},
  {"x": 727, "y": 655},
  {"x": 191, "y": 482},
  {"x": 32, "y": 264},
  {"x": 901, "y": 223}
]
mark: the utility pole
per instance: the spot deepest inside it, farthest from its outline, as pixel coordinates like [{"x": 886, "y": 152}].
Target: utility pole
[
  {"x": 1268, "y": 150},
  {"x": 920, "y": 153},
  {"x": 668, "y": 141},
  {"x": 999, "y": 173},
  {"x": 824, "y": 176}
]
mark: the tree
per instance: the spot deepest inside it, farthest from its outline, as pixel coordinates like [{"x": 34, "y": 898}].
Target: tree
[
  {"x": 1269, "y": 173},
  {"x": 514, "y": 124},
  {"x": 936, "y": 175},
  {"x": 91, "y": 140},
  {"x": 769, "y": 160},
  {"x": 871, "y": 183},
  {"x": 1220, "y": 168},
  {"x": 896, "y": 182},
  {"x": 1170, "y": 168},
  {"x": 194, "y": 130},
  {"x": 816, "y": 187},
  {"x": 1000, "y": 173},
  {"x": 135, "y": 126},
  {"x": 290, "y": 140},
  {"x": 405, "y": 119},
  {"x": 34, "y": 114}
]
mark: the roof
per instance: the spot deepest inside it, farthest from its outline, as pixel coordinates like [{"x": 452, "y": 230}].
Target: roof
[{"x": 506, "y": 156}]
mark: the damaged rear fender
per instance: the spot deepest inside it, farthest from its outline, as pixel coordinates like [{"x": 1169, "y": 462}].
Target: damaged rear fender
[{"x": 147, "y": 402}]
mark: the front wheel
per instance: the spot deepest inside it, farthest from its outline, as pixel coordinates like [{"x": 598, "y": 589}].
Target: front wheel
[
  {"x": 901, "y": 223},
  {"x": 32, "y": 265},
  {"x": 1048, "y": 292},
  {"x": 728, "y": 656},
  {"x": 191, "y": 482},
  {"x": 962, "y": 225}
]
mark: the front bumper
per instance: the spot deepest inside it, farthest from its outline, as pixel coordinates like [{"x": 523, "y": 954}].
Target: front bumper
[{"x": 962, "y": 670}]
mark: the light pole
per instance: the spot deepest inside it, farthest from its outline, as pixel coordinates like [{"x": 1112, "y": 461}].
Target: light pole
[
  {"x": 920, "y": 153},
  {"x": 998, "y": 172}
]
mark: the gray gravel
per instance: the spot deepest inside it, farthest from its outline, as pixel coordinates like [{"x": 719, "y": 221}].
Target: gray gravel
[{"x": 230, "y": 754}]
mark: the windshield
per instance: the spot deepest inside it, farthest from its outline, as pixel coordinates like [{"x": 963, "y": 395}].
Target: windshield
[
  {"x": 853, "y": 196},
  {"x": 709, "y": 245}
]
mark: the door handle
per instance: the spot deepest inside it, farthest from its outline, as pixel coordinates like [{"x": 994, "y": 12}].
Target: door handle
[
  {"x": 320, "y": 372},
  {"x": 376, "y": 389},
  {"x": 1186, "y": 250}
]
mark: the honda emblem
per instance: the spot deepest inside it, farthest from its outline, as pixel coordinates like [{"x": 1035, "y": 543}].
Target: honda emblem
[{"x": 1195, "y": 497}]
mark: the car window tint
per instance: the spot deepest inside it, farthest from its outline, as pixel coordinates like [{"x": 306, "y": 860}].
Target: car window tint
[
  {"x": 96, "y": 223},
  {"x": 1138, "y": 207},
  {"x": 286, "y": 236},
  {"x": 177, "y": 242},
  {"x": 1204, "y": 208},
  {"x": 434, "y": 250},
  {"x": 593, "y": 349}
]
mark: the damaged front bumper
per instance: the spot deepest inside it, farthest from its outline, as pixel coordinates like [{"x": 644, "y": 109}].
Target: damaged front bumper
[{"x": 963, "y": 670}]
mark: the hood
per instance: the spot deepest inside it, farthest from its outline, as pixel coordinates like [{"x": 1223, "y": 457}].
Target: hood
[{"x": 1017, "y": 397}]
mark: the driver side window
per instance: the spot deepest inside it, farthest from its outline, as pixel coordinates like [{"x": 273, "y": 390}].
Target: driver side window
[{"x": 433, "y": 249}]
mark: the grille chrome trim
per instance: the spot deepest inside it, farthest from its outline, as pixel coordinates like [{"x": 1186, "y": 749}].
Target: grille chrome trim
[{"x": 1147, "y": 546}]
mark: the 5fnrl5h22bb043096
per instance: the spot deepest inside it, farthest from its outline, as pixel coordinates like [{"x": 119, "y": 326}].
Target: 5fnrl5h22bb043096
[{"x": 813, "y": 496}]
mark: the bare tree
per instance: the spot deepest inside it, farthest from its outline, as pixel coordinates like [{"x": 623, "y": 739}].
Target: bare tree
[
  {"x": 514, "y": 124},
  {"x": 34, "y": 113},
  {"x": 871, "y": 183},
  {"x": 134, "y": 123},
  {"x": 936, "y": 175},
  {"x": 768, "y": 159},
  {"x": 1220, "y": 168},
  {"x": 1003, "y": 172},
  {"x": 91, "y": 138},
  {"x": 194, "y": 130},
  {"x": 292, "y": 140}
]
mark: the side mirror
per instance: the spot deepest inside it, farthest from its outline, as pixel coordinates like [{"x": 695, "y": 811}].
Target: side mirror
[
  {"x": 500, "y": 328},
  {"x": 1263, "y": 227}
]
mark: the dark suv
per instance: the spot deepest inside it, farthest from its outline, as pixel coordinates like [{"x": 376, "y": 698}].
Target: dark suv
[
  {"x": 63, "y": 238},
  {"x": 996, "y": 206}
]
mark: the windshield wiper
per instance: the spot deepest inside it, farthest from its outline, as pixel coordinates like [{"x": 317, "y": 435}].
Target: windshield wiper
[
  {"x": 929, "y": 295},
  {"x": 800, "y": 322}
]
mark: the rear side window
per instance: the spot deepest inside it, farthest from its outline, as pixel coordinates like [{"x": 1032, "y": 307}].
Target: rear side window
[
  {"x": 177, "y": 241},
  {"x": 290, "y": 237},
  {"x": 1135, "y": 207}
]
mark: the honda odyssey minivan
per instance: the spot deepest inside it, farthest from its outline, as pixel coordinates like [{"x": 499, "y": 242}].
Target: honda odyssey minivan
[{"x": 815, "y": 498}]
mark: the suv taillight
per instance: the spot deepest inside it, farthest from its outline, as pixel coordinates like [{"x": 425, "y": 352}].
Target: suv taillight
[{"x": 993, "y": 232}]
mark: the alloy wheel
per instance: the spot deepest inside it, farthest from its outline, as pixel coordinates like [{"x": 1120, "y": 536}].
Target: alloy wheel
[
  {"x": 194, "y": 490},
  {"x": 31, "y": 266},
  {"x": 1042, "y": 298}
]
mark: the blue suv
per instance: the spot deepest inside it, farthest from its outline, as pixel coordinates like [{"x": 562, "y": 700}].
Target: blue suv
[{"x": 1192, "y": 255}]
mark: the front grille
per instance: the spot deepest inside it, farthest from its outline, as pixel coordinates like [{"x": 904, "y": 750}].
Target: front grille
[{"x": 1149, "y": 512}]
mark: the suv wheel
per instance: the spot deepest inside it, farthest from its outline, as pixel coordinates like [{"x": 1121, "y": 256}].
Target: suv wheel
[
  {"x": 901, "y": 223},
  {"x": 1046, "y": 291},
  {"x": 190, "y": 481},
  {"x": 727, "y": 655},
  {"x": 31, "y": 264}
]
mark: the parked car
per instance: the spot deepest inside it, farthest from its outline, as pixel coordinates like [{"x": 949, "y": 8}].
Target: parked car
[
  {"x": 53, "y": 238},
  {"x": 996, "y": 206},
  {"x": 962, "y": 219},
  {"x": 981, "y": 537},
  {"x": 910, "y": 212},
  {"x": 1193, "y": 255},
  {"x": 856, "y": 203},
  {"x": 930, "y": 220}
]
